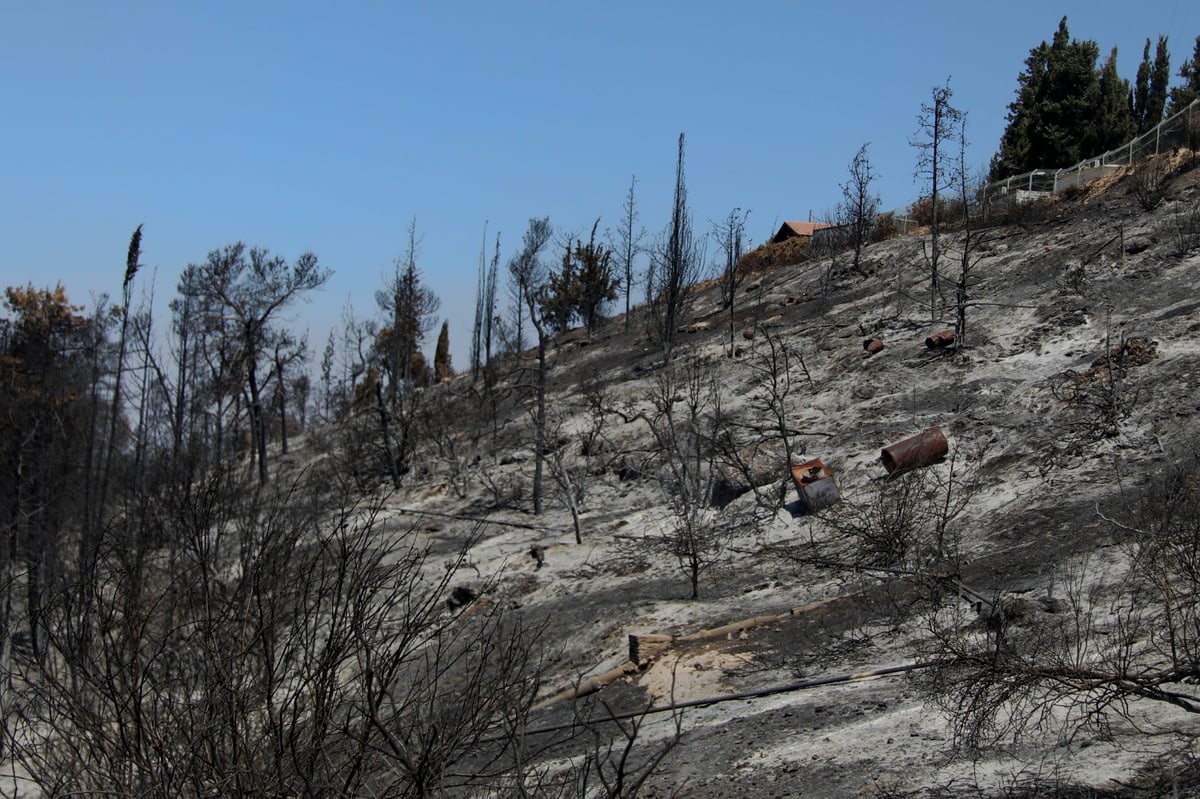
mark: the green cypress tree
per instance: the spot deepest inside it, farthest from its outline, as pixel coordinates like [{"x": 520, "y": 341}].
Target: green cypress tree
[
  {"x": 1141, "y": 89},
  {"x": 1189, "y": 90},
  {"x": 1114, "y": 109},
  {"x": 441, "y": 355},
  {"x": 1160, "y": 76}
]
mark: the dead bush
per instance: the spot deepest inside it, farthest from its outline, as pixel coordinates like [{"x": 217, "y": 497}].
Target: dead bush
[
  {"x": 1075, "y": 279},
  {"x": 905, "y": 524},
  {"x": 1186, "y": 227},
  {"x": 885, "y": 228},
  {"x": 1085, "y": 663},
  {"x": 950, "y": 211},
  {"x": 1098, "y": 399},
  {"x": 1149, "y": 182},
  {"x": 1017, "y": 211},
  {"x": 688, "y": 426},
  {"x": 283, "y": 642},
  {"x": 775, "y": 253}
]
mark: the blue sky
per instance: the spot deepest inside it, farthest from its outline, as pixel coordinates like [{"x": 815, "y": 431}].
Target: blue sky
[{"x": 304, "y": 126}]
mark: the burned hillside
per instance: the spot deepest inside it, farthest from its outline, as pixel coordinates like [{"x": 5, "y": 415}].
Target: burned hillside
[
  {"x": 845, "y": 535},
  {"x": 1069, "y": 404}
]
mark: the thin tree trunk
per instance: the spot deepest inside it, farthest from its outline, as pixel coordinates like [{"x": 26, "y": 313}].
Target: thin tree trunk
[
  {"x": 283, "y": 433},
  {"x": 258, "y": 432},
  {"x": 115, "y": 411},
  {"x": 540, "y": 456},
  {"x": 564, "y": 479},
  {"x": 385, "y": 424},
  {"x": 179, "y": 411}
]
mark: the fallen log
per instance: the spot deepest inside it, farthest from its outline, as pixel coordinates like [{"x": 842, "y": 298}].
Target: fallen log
[{"x": 588, "y": 686}]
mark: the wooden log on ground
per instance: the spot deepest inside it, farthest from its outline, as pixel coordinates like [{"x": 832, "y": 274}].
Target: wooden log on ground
[
  {"x": 588, "y": 686},
  {"x": 644, "y": 647}
]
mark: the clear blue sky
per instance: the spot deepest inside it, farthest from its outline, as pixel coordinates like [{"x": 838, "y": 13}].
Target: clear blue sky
[{"x": 308, "y": 126}]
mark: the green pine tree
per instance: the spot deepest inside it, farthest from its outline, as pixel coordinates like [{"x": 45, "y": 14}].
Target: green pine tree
[
  {"x": 1015, "y": 143},
  {"x": 1052, "y": 119}
]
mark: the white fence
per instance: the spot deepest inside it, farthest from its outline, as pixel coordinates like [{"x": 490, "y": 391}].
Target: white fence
[{"x": 1179, "y": 130}]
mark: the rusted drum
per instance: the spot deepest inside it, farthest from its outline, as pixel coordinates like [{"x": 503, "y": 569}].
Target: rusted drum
[
  {"x": 938, "y": 340},
  {"x": 923, "y": 449},
  {"x": 815, "y": 485}
]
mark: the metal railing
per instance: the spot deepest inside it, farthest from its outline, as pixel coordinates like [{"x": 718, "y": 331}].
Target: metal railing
[{"x": 1181, "y": 129}]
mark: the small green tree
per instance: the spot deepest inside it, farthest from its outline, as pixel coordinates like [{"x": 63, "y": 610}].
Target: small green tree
[
  {"x": 597, "y": 284},
  {"x": 583, "y": 286},
  {"x": 441, "y": 356},
  {"x": 560, "y": 295},
  {"x": 409, "y": 307}
]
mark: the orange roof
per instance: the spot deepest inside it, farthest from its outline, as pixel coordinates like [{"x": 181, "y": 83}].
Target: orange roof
[
  {"x": 805, "y": 228},
  {"x": 791, "y": 230}
]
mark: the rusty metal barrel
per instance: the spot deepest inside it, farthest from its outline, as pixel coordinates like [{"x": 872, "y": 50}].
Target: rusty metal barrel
[
  {"x": 872, "y": 345},
  {"x": 925, "y": 448},
  {"x": 938, "y": 340}
]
